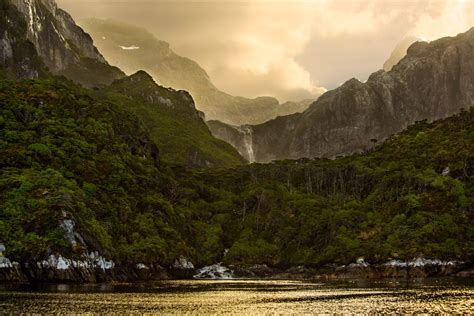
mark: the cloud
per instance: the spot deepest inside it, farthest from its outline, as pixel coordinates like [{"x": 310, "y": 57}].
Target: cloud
[{"x": 287, "y": 49}]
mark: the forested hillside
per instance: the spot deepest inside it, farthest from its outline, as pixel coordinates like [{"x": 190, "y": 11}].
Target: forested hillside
[
  {"x": 410, "y": 196},
  {"x": 70, "y": 153}
]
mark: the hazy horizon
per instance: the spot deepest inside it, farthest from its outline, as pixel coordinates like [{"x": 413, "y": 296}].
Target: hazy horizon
[{"x": 287, "y": 49}]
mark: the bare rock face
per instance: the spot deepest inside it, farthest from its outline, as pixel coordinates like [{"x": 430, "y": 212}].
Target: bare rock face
[
  {"x": 435, "y": 80},
  {"x": 238, "y": 136},
  {"x": 63, "y": 47},
  {"x": 18, "y": 57}
]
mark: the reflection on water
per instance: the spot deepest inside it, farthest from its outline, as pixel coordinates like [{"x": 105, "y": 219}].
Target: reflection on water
[{"x": 244, "y": 297}]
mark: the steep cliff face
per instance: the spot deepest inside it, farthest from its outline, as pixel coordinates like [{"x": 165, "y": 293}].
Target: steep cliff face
[
  {"x": 132, "y": 49},
  {"x": 62, "y": 45},
  {"x": 241, "y": 137},
  {"x": 18, "y": 57},
  {"x": 433, "y": 81}
]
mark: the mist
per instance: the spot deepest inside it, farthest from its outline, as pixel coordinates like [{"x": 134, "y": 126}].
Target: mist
[{"x": 287, "y": 49}]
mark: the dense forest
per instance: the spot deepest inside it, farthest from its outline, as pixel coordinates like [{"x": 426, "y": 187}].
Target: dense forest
[{"x": 67, "y": 152}]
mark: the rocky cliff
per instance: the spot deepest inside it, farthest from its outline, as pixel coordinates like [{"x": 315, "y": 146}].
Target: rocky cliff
[
  {"x": 132, "y": 49},
  {"x": 433, "y": 81},
  {"x": 18, "y": 55},
  {"x": 63, "y": 47}
]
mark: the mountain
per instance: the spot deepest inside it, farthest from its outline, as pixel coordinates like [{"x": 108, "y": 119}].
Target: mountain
[
  {"x": 64, "y": 48},
  {"x": 241, "y": 137},
  {"x": 91, "y": 190},
  {"x": 18, "y": 55},
  {"x": 86, "y": 197},
  {"x": 132, "y": 49},
  {"x": 399, "y": 52},
  {"x": 432, "y": 82},
  {"x": 39, "y": 39},
  {"x": 173, "y": 122},
  {"x": 410, "y": 196}
]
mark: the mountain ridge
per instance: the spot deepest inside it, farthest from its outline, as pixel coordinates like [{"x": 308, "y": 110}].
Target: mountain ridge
[
  {"x": 37, "y": 40},
  {"x": 170, "y": 69},
  {"x": 433, "y": 81}
]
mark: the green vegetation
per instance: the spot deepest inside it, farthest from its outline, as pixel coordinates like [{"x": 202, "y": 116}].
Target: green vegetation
[
  {"x": 65, "y": 154},
  {"x": 173, "y": 123},
  {"x": 69, "y": 152},
  {"x": 392, "y": 202}
]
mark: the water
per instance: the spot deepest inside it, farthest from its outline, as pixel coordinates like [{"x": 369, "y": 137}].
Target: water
[{"x": 244, "y": 297}]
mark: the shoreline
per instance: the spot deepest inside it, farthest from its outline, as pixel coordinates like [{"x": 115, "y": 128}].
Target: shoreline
[{"x": 28, "y": 274}]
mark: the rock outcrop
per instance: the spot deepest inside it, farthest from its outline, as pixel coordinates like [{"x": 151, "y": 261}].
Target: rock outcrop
[
  {"x": 182, "y": 268},
  {"x": 18, "y": 57},
  {"x": 215, "y": 271},
  {"x": 434, "y": 81},
  {"x": 238, "y": 136},
  {"x": 62, "y": 46}
]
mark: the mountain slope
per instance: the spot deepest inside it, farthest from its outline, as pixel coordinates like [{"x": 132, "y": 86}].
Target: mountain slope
[
  {"x": 409, "y": 197},
  {"x": 173, "y": 122},
  {"x": 18, "y": 55},
  {"x": 71, "y": 159},
  {"x": 433, "y": 81},
  {"x": 68, "y": 155},
  {"x": 62, "y": 45},
  {"x": 132, "y": 49}
]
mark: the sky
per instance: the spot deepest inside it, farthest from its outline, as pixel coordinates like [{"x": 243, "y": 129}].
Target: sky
[{"x": 291, "y": 50}]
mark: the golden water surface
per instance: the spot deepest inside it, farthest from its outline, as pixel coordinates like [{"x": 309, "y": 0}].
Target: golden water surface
[{"x": 243, "y": 297}]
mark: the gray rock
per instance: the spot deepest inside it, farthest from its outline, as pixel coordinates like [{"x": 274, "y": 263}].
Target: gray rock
[
  {"x": 216, "y": 271},
  {"x": 434, "y": 81},
  {"x": 446, "y": 171},
  {"x": 62, "y": 46}
]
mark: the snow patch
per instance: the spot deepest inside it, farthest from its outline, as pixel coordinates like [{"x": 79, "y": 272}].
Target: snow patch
[
  {"x": 216, "y": 271},
  {"x": 133, "y": 47}
]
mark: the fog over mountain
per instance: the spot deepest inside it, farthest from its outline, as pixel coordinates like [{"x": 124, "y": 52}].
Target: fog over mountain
[
  {"x": 284, "y": 49},
  {"x": 133, "y": 48},
  {"x": 399, "y": 52}
]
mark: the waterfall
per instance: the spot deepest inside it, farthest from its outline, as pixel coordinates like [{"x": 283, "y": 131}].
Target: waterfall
[{"x": 248, "y": 142}]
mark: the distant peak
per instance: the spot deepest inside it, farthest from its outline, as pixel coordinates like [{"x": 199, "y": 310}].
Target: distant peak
[{"x": 141, "y": 76}]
